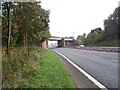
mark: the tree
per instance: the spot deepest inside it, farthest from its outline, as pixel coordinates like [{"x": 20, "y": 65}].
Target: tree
[
  {"x": 96, "y": 35},
  {"x": 78, "y": 42},
  {"x": 111, "y": 25},
  {"x": 81, "y": 38},
  {"x": 29, "y": 24},
  {"x": 7, "y": 11}
]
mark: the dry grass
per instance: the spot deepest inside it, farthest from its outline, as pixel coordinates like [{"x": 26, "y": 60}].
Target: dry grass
[{"x": 19, "y": 66}]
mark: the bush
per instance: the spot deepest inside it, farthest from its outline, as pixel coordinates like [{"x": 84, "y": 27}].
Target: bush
[
  {"x": 20, "y": 66},
  {"x": 78, "y": 42}
]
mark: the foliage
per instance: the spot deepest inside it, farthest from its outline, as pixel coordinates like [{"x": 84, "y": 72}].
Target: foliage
[
  {"x": 50, "y": 73},
  {"x": 81, "y": 36},
  {"x": 78, "y": 42},
  {"x": 111, "y": 32},
  {"x": 111, "y": 25},
  {"x": 81, "y": 39},
  {"x": 20, "y": 66},
  {"x": 26, "y": 25},
  {"x": 94, "y": 36},
  {"x": 107, "y": 43},
  {"x": 29, "y": 24}
]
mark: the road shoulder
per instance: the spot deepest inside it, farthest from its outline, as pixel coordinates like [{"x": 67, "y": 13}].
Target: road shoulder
[{"x": 80, "y": 80}]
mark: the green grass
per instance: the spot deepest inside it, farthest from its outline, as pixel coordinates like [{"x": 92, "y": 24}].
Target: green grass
[
  {"x": 51, "y": 73},
  {"x": 107, "y": 43}
]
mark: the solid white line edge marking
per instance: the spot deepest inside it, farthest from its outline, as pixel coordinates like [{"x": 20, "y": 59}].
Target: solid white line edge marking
[{"x": 85, "y": 73}]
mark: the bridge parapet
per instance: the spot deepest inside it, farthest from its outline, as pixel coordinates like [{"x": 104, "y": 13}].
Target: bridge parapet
[
  {"x": 62, "y": 41},
  {"x": 54, "y": 38}
]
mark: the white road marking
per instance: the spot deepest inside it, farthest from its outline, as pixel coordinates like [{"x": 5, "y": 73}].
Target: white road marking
[
  {"x": 84, "y": 72},
  {"x": 115, "y": 60},
  {"x": 96, "y": 55},
  {"x": 104, "y": 52}
]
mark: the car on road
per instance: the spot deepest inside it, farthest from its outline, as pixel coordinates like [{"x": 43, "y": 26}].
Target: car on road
[{"x": 81, "y": 45}]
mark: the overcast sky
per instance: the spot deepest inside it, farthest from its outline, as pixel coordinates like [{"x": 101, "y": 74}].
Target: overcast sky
[{"x": 75, "y": 17}]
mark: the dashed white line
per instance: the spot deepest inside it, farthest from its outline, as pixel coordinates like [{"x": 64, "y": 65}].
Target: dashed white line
[
  {"x": 84, "y": 72},
  {"x": 96, "y": 55},
  {"x": 104, "y": 52},
  {"x": 115, "y": 60}
]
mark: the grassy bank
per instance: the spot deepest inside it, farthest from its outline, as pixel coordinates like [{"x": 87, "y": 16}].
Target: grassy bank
[
  {"x": 107, "y": 43},
  {"x": 50, "y": 73}
]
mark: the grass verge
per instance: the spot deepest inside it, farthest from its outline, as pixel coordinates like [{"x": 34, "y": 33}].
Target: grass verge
[
  {"x": 51, "y": 73},
  {"x": 107, "y": 43}
]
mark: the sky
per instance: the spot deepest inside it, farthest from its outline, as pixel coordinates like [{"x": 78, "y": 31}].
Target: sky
[{"x": 75, "y": 17}]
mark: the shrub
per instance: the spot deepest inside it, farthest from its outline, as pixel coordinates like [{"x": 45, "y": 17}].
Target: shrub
[{"x": 19, "y": 66}]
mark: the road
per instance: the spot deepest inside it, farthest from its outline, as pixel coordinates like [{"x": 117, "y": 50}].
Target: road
[{"x": 103, "y": 66}]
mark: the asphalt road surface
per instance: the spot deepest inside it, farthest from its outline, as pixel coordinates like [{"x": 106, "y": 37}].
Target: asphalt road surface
[{"x": 103, "y": 66}]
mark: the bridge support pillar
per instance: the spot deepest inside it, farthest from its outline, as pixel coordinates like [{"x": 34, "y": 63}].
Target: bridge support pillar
[
  {"x": 45, "y": 44},
  {"x": 61, "y": 43},
  {"x": 70, "y": 43}
]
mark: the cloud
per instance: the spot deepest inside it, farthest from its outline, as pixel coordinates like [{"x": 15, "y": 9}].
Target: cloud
[{"x": 74, "y": 17}]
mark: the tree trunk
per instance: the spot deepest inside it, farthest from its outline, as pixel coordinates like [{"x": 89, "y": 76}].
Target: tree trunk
[{"x": 9, "y": 30}]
